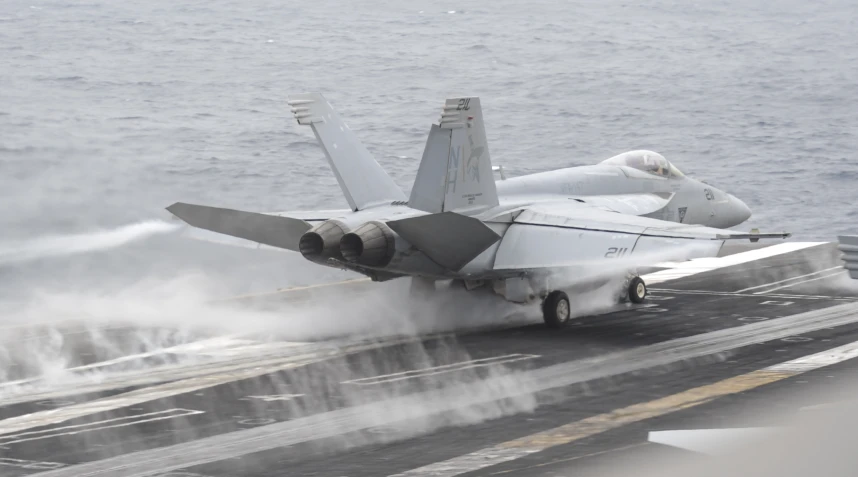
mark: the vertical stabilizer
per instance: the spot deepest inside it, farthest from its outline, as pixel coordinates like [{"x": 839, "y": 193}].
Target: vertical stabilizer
[
  {"x": 455, "y": 173},
  {"x": 361, "y": 178}
]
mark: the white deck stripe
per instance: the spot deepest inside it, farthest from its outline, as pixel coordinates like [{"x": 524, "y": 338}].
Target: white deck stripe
[
  {"x": 700, "y": 265},
  {"x": 446, "y": 368},
  {"x": 206, "y": 377},
  {"x": 766, "y": 285},
  {"x": 789, "y": 285},
  {"x": 818, "y": 360},
  {"x": 161, "y": 391},
  {"x": 673, "y": 291},
  {"x": 206, "y": 347},
  {"x": 93, "y": 424},
  {"x": 538, "y": 442},
  {"x": 422, "y": 405},
  {"x": 132, "y": 420}
]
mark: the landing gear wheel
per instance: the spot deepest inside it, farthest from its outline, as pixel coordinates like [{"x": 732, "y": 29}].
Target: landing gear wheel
[
  {"x": 556, "y": 310},
  {"x": 637, "y": 290}
]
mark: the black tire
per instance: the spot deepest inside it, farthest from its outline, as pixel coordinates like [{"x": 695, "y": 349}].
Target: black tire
[
  {"x": 556, "y": 309},
  {"x": 637, "y": 290}
]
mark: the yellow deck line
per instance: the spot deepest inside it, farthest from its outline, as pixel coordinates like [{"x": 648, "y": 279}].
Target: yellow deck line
[{"x": 578, "y": 430}]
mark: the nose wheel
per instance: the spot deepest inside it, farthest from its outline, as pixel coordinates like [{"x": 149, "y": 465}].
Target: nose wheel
[
  {"x": 637, "y": 290},
  {"x": 556, "y": 310}
]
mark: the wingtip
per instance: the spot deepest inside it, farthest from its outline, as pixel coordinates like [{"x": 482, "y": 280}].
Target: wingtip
[
  {"x": 175, "y": 208},
  {"x": 181, "y": 211}
]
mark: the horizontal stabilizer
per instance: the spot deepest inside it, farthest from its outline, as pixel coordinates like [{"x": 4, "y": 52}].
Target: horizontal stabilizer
[
  {"x": 449, "y": 239},
  {"x": 281, "y": 232}
]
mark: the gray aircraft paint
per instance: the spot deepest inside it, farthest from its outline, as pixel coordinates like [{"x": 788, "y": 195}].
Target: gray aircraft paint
[
  {"x": 361, "y": 178},
  {"x": 460, "y": 223},
  {"x": 426, "y": 194},
  {"x": 455, "y": 173}
]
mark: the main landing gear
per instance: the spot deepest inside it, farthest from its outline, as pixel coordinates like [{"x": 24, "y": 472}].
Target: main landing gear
[
  {"x": 556, "y": 308},
  {"x": 637, "y": 290}
]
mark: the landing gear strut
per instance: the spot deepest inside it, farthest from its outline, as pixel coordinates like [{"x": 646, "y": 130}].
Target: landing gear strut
[{"x": 556, "y": 310}]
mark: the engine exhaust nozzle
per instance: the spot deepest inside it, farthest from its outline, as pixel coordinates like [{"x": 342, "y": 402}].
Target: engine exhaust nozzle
[
  {"x": 323, "y": 241},
  {"x": 371, "y": 244}
]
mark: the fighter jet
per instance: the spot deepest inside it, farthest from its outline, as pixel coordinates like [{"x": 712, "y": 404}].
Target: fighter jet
[{"x": 459, "y": 223}]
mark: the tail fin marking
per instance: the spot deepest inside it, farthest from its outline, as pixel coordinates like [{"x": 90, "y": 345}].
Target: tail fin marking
[{"x": 455, "y": 173}]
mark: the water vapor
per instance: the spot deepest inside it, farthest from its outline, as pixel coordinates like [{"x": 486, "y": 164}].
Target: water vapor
[
  {"x": 64, "y": 341},
  {"x": 595, "y": 286},
  {"x": 74, "y": 244}
]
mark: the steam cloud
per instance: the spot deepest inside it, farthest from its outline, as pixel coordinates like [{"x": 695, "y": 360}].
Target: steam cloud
[
  {"x": 156, "y": 315},
  {"x": 73, "y": 244},
  {"x": 54, "y": 340}
]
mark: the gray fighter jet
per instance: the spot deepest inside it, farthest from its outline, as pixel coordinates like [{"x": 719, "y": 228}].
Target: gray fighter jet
[{"x": 460, "y": 223}]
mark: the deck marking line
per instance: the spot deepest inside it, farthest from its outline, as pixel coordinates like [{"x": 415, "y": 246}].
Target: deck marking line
[
  {"x": 138, "y": 396},
  {"x": 97, "y": 426},
  {"x": 419, "y": 406},
  {"x": 574, "y": 431},
  {"x": 788, "y": 285},
  {"x": 445, "y": 368},
  {"x": 766, "y": 285}
]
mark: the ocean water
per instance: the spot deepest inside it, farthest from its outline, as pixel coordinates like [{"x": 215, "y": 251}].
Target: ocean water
[{"x": 111, "y": 111}]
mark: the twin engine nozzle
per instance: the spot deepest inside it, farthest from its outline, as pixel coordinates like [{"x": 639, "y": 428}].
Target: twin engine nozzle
[{"x": 372, "y": 244}]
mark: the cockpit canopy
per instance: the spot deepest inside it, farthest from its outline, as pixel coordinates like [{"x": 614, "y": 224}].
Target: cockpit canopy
[{"x": 646, "y": 161}]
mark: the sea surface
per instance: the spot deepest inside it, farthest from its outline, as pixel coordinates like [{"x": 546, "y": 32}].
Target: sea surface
[{"x": 111, "y": 111}]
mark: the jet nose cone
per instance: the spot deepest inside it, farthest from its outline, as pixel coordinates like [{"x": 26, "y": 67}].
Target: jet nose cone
[{"x": 741, "y": 210}]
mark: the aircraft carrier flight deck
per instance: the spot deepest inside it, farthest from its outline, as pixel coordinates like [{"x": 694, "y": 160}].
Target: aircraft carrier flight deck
[{"x": 772, "y": 326}]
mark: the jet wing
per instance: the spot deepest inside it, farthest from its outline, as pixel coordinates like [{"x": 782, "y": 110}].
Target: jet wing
[{"x": 571, "y": 233}]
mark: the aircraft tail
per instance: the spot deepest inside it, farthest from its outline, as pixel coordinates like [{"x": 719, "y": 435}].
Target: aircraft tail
[
  {"x": 455, "y": 173},
  {"x": 361, "y": 178}
]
